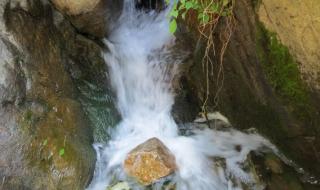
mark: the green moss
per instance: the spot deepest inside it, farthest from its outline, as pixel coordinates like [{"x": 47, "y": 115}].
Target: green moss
[{"x": 283, "y": 74}]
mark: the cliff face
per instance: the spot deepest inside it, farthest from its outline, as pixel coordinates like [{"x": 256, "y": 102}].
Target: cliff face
[
  {"x": 265, "y": 81},
  {"x": 297, "y": 25},
  {"x": 47, "y": 71}
]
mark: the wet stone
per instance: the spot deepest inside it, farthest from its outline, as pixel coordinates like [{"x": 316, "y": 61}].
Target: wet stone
[{"x": 149, "y": 162}]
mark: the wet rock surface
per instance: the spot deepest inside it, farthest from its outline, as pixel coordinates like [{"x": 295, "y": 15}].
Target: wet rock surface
[
  {"x": 275, "y": 174},
  {"x": 245, "y": 95},
  {"x": 99, "y": 21},
  {"x": 149, "y": 162},
  {"x": 93, "y": 18},
  {"x": 46, "y": 131}
]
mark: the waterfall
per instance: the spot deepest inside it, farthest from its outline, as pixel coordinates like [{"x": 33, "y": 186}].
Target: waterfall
[{"x": 142, "y": 66}]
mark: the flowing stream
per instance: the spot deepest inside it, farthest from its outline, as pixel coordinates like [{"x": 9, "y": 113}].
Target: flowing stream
[{"x": 142, "y": 66}]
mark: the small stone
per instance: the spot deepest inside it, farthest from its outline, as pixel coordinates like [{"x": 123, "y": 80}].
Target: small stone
[
  {"x": 149, "y": 162},
  {"x": 120, "y": 186}
]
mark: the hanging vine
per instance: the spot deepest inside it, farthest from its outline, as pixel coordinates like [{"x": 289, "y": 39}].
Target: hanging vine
[{"x": 208, "y": 13}]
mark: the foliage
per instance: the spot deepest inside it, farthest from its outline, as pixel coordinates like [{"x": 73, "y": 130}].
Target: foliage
[
  {"x": 285, "y": 78},
  {"x": 283, "y": 72},
  {"x": 61, "y": 152},
  {"x": 207, "y": 10},
  {"x": 205, "y": 15}
]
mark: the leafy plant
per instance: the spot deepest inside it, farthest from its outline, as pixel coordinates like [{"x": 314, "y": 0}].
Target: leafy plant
[
  {"x": 173, "y": 26},
  {"x": 207, "y": 14},
  {"x": 61, "y": 152},
  {"x": 207, "y": 10}
]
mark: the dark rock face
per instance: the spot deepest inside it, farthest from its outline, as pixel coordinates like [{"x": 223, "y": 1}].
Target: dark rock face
[
  {"x": 45, "y": 134},
  {"x": 245, "y": 95},
  {"x": 150, "y": 4}
]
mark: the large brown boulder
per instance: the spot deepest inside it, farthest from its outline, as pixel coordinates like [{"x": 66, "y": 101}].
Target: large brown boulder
[
  {"x": 75, "y": 7},
  {"x": 150, "y": 161},
  {"x": 91, "y": 17}
]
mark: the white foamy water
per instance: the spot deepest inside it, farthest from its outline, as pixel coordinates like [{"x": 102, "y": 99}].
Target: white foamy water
[{"x": 142, "y": 68}]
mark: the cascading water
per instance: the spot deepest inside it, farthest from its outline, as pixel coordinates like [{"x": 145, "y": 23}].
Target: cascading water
[{"x": 142, "y": 67}]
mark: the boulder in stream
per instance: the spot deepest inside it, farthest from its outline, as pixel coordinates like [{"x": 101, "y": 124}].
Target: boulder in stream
[{"x": 150, "y": 161}]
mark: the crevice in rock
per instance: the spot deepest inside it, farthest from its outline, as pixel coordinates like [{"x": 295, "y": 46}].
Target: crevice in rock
[{"x": 150, "y": 4}]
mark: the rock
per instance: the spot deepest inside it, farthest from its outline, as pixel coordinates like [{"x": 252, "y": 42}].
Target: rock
[
  {"x": 273, "y": 163},
  {"x": 91, "y": 17},
  {"x": 212, "y": 116},
  {"x": 281, "y": 176},
  {"x": 120, "y": 186},
  {"x": 45, "y": 135},
  {"x": 297, "y": 25},
  {"x": 97, "y": 22},
  {"x": 245, "y": 93},
  {"x": 75, "y": 7},
  {"x": 150, "y": 161}
]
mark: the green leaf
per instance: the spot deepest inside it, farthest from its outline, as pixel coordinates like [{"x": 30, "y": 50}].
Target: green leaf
[
  {"x": 174, "y": 13},
  {"x": 173, "y": 26},
  {"x": 215, "y": 7},
  {"x": 205, "y": 18},
  {"x": 189, "y": 5},
  {"x": 61, "y": 152},
  {"x": 181, "y": 7},
  {"x": 196, "y": 5}
]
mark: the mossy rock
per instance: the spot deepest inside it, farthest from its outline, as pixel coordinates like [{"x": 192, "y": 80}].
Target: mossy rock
[
  {"x": 59, "y": 146},
  {"x": 52, "y": 144}
]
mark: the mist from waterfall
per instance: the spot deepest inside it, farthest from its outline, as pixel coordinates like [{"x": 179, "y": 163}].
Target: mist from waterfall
[{"x": 142, "y": 66}]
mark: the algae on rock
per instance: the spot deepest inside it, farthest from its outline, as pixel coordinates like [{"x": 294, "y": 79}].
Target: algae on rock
[{"x": 44, "y": 115}]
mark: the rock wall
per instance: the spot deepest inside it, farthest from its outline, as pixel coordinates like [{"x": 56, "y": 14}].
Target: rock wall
[
  {"x": 46, "y": 133},
  {"x": 259, "y": 87},
  {"x": 297, "y": 25}
]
